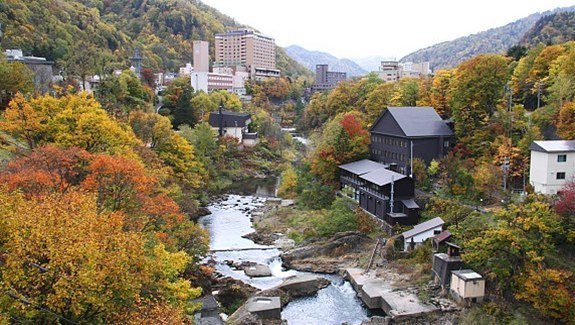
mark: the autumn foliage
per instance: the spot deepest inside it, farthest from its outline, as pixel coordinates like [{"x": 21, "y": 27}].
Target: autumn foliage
[{"x": 90, "y": 231}]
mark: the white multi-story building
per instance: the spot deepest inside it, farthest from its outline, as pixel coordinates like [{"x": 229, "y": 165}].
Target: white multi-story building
[
  {"x": 231, "y": 79},
  {"x": 552, "y": 165}
]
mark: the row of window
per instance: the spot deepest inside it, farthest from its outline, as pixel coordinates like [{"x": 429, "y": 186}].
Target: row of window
[
  {"x": 390, "y": 141},
  {"x": 389, "y": 154}
]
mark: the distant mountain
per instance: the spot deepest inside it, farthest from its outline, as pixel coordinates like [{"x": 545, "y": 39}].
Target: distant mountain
[
  {"x": 553, "y": 29},
  {"x": 370, "y": 63},
  {"x": 311, "y": 58},
  {"x": 496, "y": 40}
]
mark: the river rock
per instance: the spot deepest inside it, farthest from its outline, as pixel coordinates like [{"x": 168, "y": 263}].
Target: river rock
[
  {"x": 258, "y": 270},
  {"x": 284, "y": 243},
  {"x": 303, "y": 285}
]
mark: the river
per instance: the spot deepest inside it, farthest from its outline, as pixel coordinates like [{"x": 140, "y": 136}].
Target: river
[{"x": 229, "y": 221}]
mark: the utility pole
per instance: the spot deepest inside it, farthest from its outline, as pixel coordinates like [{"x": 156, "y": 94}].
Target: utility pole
[
  {"x": 505, "y": 168},
  {"x": 538, "y": 94}
]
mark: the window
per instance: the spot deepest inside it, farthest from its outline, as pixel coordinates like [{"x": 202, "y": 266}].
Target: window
[
  {"x": 446, "y": 144},
  {"x": 560, "y": 175},
  {"x": 561, "y": 158}
]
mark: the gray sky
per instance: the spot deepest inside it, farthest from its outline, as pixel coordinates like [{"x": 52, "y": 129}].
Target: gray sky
[{"x": 364, "y": 28}]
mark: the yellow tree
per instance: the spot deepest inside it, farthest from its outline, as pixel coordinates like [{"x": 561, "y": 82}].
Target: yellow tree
[
  {"x": 60, "y": 255},
  {"x": 74, "y": 120},
  {"x": 566, "y": 121},
  {"x": 21, "y": 120},
  {"x": 439, "y": 96}
]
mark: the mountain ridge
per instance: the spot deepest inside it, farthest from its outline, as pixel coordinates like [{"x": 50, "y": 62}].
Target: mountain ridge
[
  {"x": 494, "y": 40},
  {"x": 311, "y": 58}
]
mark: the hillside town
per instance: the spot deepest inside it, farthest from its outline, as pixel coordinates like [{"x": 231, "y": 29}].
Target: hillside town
[{"x": 187, "y": 170}]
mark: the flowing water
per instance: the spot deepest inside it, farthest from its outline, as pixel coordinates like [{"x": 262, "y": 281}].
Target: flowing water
[{"x": 229, "y": 221}]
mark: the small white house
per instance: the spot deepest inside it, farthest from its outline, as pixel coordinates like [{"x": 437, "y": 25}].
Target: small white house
[
  {"x": 467, "y": 286},
  {"x": 552, "y": 164},
  {"x": 421, "y": 232},
  {"x": 233, "y": 124}
]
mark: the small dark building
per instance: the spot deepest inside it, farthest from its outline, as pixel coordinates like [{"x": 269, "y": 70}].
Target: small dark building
[
  {"x": 444, "y": 263},
  {"x": 209, "y": 312},
  {"x": 384, "y": 193},
  {"x": 440, "y": 239},
  {"x": 402, "y": 133},
  {"x": 232, "y": 124}
]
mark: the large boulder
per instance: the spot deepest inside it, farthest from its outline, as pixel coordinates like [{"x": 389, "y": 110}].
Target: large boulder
[{"x": 258, "y": 270}]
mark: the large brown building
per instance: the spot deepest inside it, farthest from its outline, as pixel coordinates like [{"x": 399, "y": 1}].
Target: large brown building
[{"x": 249, "y": 49}]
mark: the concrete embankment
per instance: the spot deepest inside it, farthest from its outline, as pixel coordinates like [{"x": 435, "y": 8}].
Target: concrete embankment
[{"x": 376, "y": 293}]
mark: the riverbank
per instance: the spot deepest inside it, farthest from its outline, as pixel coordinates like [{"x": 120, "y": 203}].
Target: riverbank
[
  {"x": 353, "y": 250},
  {"x": 233, "y": 256}
]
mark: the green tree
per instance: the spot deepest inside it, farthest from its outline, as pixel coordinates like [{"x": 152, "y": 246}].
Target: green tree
[
  {"x": 178, "y": 99},
  {"x": 477, "y": 87},
  {"x": 520, "y": 237},
  {"x": 343, "y": 140},
  {"x": 15, "y": 77}
]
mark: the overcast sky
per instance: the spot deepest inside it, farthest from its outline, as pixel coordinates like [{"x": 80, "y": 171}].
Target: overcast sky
[{"x": 361, "y": 28}]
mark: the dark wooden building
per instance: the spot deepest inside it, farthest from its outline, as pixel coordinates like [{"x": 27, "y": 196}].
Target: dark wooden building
[
  {"x": 402, "y": 133},
  {"x": 384, "y": 193}
]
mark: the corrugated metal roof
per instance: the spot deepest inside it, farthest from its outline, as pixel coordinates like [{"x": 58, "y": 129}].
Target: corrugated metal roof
[
  {"x": 418, "y": 229},
  {"x": 361, "y": 167},
  {"x": 553, "y": 146},
  {"x": 382, "y": 176},
  {"x": 442, "y": 236},
  {"x": 420, "y": 121}
]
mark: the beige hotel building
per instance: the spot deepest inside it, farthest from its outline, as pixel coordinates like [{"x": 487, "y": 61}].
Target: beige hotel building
[{"x": 248, "y": 49}]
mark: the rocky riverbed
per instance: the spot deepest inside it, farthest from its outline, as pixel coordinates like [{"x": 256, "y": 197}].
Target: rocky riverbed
[{"x": 348, "y": 250}]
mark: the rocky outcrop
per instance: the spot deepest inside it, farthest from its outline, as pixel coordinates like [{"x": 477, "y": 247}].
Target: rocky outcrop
[{"x": 324, "y": 257}]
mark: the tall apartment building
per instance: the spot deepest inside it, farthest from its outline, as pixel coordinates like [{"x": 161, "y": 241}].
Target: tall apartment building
[
  {"x": 231, "y": 79},
  {"x": 201, "y": 56},
  {"x": 325, "y": 79},
  {"x": 249, "y": 49}
]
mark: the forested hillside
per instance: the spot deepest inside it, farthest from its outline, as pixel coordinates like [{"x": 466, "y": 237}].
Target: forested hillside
[
  {"x": 523, "y": 244},
  {"x": 496, "y": 40},
  {"x": 553, "y": 29},
  {"x": 108, "y": 31}
]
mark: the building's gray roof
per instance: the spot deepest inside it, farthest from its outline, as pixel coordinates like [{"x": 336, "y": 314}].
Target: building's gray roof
[
  {"x": 422, "y": 227},
  {"x": 467, "y": 274},
  {"x": 229, "y": 119},
  {"x": 382, "y": 176},
  {"x": 361, "y": 167},
  {"x": 410, "y": 204},
  {"x": 553, "y": 146},
  {"x": 420, "y": 121}
]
